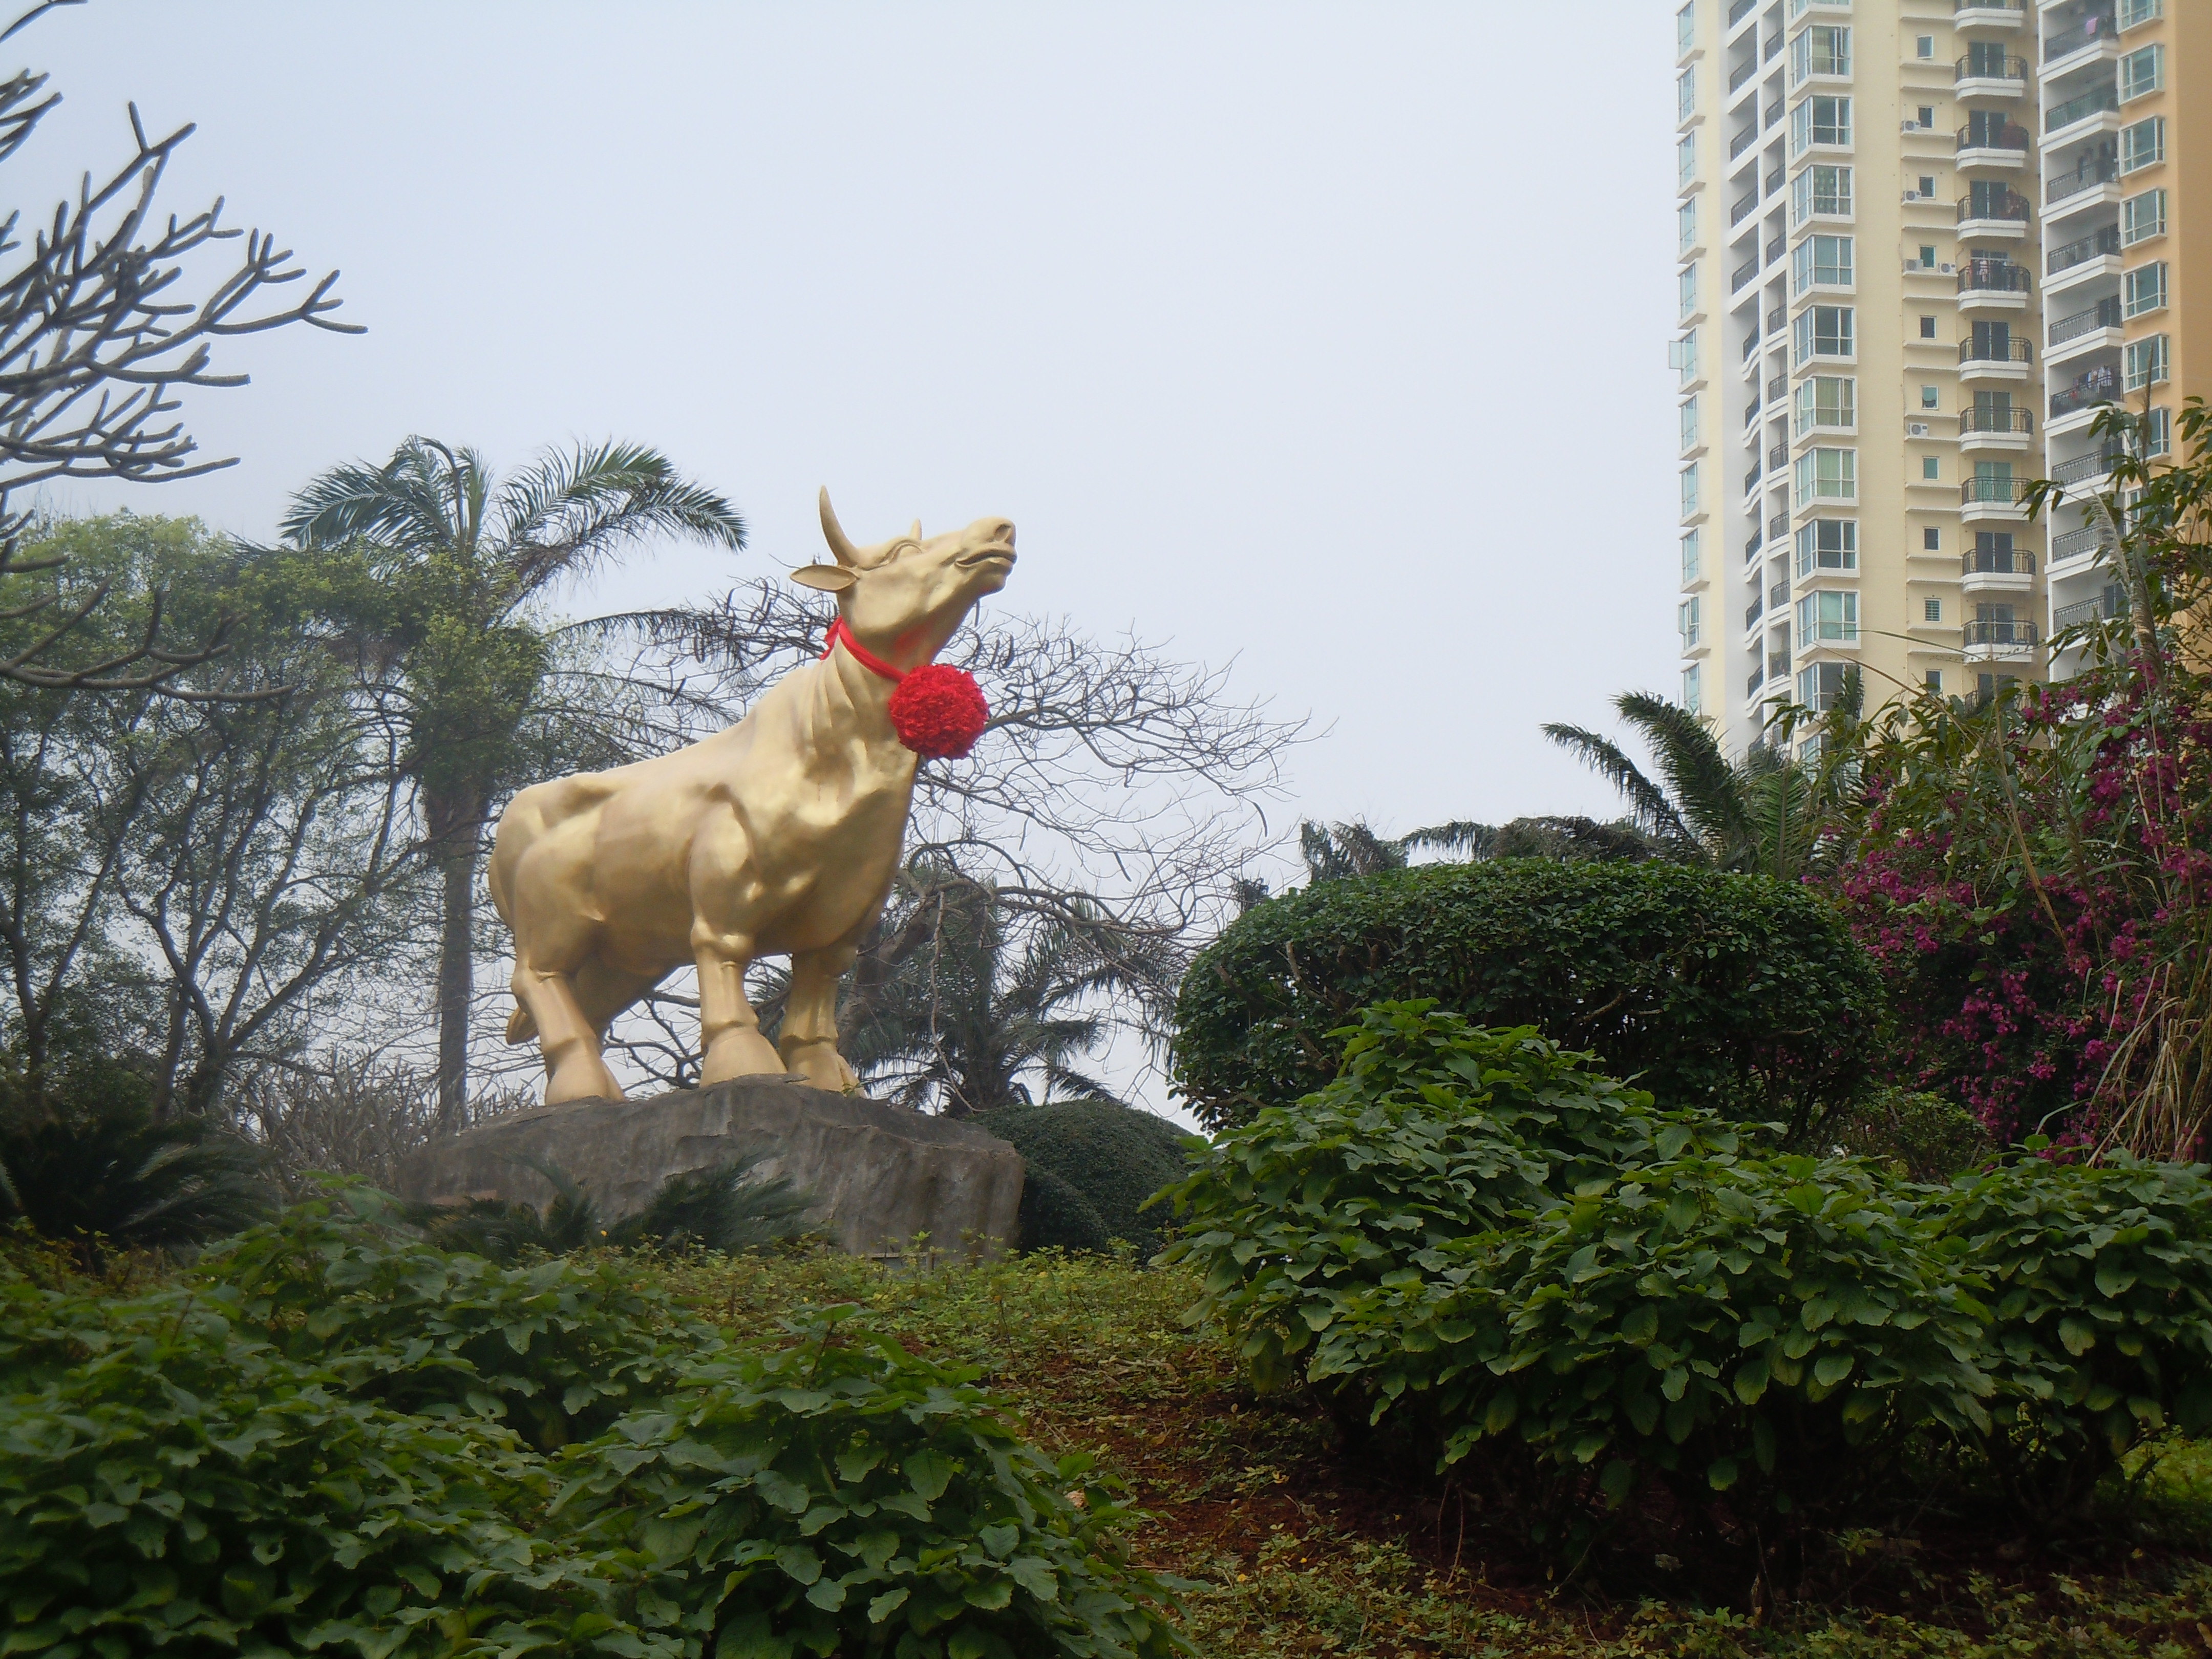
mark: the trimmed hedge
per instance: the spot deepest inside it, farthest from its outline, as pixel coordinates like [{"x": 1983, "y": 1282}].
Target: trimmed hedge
[
  {"x": 1733, "y": 993},
  {"x": 1092, "y": 1163}
]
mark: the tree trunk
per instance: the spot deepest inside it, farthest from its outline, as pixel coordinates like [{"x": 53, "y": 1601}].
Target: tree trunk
[{"x": 454, "y": 820}]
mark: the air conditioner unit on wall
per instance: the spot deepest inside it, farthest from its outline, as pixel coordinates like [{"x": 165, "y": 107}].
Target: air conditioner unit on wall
[{"x": 1916, "y": 429}]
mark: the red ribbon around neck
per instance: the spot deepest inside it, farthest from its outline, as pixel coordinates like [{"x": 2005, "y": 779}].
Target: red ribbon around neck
[{"x": 938, "y": 710}]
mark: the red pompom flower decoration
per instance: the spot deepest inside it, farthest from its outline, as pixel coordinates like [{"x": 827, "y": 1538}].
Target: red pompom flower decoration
[{"x": 939, "y": 711}]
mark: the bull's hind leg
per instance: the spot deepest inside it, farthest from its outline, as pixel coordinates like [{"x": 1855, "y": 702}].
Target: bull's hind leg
[
  {"x": 729, "y": 1031},
  {"x": 565, "y": 1036},
  {"x": 809, "y": 1037}
]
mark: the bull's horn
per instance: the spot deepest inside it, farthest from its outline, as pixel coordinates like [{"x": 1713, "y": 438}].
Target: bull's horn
[
  {"x": 914, "y": 534},
  {"x": 834, "y": 533}
]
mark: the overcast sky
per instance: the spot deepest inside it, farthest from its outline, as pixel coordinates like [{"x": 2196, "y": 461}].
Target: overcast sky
[{"x": 1326, "y": 338}]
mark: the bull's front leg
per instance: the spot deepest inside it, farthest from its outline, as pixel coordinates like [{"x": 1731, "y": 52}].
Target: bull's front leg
[
  {"x": 729, "y": 1029},
  {"x": 809, "y": 1036}
]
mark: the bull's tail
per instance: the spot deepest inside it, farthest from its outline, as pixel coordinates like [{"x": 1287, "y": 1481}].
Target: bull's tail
[{"x": 520, "y": 1028}]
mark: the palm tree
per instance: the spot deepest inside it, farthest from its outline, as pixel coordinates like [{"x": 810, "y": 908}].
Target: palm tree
[
  {"x": 962, "y": 1002},
  {"x": 1763, "y": 814},
  {"x": 1336, "y": 851},
  {"x": 434, "y": 570}
]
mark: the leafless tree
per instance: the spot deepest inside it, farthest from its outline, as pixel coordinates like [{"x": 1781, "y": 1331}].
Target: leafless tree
[{"x": 98, "y": 334}]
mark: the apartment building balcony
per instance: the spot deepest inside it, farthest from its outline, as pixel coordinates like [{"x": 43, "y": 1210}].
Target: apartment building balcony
[
  {"x": 2108, "y": 605},
  {"x": 1990, "y": 146},
  {"x": 1993, "y": 285},
  {"x": 1994, "y": 213},
  {"x": 2099, "y": 385},
  {"x": 1998, "y": 500},
  {"x": 2000, "y": 431},
  {"x": 2081, "y": 261},
  {"x": 2071, "y": 545},
  {"x": 1996, "y": 74},
  {"x": 1993, "y": 360},
  {"x": 2094, "y": 39},
  {"x": 2095, "y": 328},
  {"x": 2088, "y": 112},
  {"x": 2084, "y": 185},
  {"x": 1999, "y": 642},
  {"x": 1997, "y": 570},
  {"x": 2084, "y": 468},
  {"x": 1988, "y": 14}
]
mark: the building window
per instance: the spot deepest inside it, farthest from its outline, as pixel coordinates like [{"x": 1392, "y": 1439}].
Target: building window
[
  {"x": 1931, "y": 611},
  {"x": 2143, "y": 72},
  {"x": 1927, "y": 328},
  {"x": 1686, "y": 160},
  {"x": 1932, "y": 540},
  {"x": 1822, "y": 189},
  {"x": 1930, "y": 397},
  {"x": 1819, "y": 121},
  {"x": 1936, "y": 680},
  {"x": 1827, "y": 544},
  {"x": 1823, "y": 261},
  {"x": 1682, "y": 357},
  {"x": 1827, "y": 400},
  {"x": 1686, "y": 95},
  {"x": 1686, "y": 28},
  {"x": 1689, "y": 490},
  {"x": 1827, "y": 475},
  {"x": 1686, "y": 618},
  {"x": 1686, "y": 228},
  {"x": 1689, "y": 422},
  {"x": 1821, "y": 50},
  {"x": 1923, "y": 45},
  {"x": 1686, "y": 285},
  {"x": 2157, "y": 432},
  {"x": 1823, "y": 331},
  {"x": 2133, "y": 12},
  {"x": 1692, "y": 561},
  {"x": 2142, "y": 144},
  {"x": 2143, "y": 362},
  {"x": 1691, "y": 703},
  {"x": 1926, "y": 120},
  {"x": 1820, "y": 686},
  {"x": 2143, "y": 290},
  {"x": 1826, "y": 618},
  {"x": 1927, "y": 186},
  {"x": 2142, "y": 217},
  {"x": 1927, "y": 255}
]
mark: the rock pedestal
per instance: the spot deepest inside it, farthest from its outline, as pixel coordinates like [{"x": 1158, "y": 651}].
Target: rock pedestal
[{"x": 880, "y": 1175}]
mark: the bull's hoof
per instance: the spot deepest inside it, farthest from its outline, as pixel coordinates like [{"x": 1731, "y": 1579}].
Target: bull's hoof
[
  {"x": 820, "y": 1065},
  {"x": 735, "y": 1054},
  {"x": 581, "y": 1078}
]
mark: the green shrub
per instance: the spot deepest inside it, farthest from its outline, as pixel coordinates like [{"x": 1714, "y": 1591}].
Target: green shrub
[
  {"x": 1056, "y": 1216},
  {"x": 841, "y": 1496},
  {"x": 1920, "y": 1136},
  {"x": 176, "y": 1481},
  {"x": 307, "y": 1446},
  {"x": 1114, "y": 1156},
  {"x": 1731, "y": 992},
  {"x": 2100, "y": 1280},
  {"x": 1515, "y": 1263}
]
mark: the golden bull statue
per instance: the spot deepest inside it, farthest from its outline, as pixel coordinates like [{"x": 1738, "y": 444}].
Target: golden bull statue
[{"x": 779, "y": 836}]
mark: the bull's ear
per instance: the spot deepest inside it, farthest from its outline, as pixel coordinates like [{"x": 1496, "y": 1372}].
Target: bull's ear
[{"x": 827, "y": 578}]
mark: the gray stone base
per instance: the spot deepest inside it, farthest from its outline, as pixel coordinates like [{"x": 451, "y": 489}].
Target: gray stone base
[{"x": 881, "y": 1175}]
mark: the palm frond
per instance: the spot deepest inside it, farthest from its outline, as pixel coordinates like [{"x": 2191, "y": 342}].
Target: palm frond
[
  {"x": 1648, "y": 806},
  {"x": 568, "y": 512},
  {"x": 1702, "y": 783},
  {"x": 408, "y": 504}
]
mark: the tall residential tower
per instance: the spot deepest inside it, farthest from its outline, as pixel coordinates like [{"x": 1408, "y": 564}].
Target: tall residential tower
[{"x": 1919, "y": 241}]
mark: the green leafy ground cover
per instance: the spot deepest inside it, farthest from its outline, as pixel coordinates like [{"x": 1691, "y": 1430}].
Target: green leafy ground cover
[{"x": 1298, "y": 1548}]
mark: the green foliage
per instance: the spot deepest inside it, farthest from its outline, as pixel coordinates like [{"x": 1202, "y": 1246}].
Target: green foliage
[
  {"x": 1434, "y": 1131},
  {"x": 1727, "y": 991},
  {"x": 1056, "y": 1216},
  {"x": 2101, "y": 1282},
  {"x": 83, "y": 1158},
  {"x": 1921, "y": 1137},
  {"x": 1513, "y": 1260},
  {"x": 334, "y": 1435},
  {"x": 1114, "y": 1157},
  {"x": 839, "y": 1496}
]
